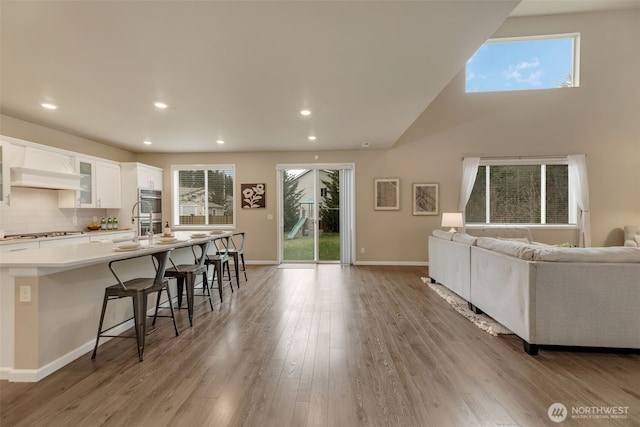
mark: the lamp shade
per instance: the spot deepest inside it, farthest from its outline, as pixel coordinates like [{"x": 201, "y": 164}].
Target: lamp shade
[{"x": 452, "y": 219}]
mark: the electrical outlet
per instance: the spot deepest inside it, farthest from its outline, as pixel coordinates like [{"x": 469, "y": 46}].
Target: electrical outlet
[
  {"x": 25, "y": 293},
  {"x": 361, "y": 250},
  {"x": 270, "y": 217}
]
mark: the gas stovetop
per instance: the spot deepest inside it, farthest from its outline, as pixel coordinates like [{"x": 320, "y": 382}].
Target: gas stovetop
[{"x": 43, "y": 234}]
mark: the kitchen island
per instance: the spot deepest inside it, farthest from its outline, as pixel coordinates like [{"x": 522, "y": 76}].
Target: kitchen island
[{"x": 51, "y": 298}]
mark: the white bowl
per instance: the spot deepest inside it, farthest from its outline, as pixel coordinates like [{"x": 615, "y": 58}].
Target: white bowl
[
  {"x": 198, "y": 235},
  {"x": 167, "y": 239}
]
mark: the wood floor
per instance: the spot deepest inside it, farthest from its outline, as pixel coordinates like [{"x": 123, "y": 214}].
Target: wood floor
[{"x": 327, "y": 346}]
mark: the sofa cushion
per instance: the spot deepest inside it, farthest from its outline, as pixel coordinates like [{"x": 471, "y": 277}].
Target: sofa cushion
[
  {"x": 508, "y": 247},
  {"x": 506, "y": 232},
  {"x": 444, "y": 235},
  {"x": 614, "y": 254},
  {"x": 515, "y": 239},
  {"x": 465, "y": 238}
]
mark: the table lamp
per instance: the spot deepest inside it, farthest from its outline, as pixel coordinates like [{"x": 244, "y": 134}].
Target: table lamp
[{"x": 453, "y": 220}]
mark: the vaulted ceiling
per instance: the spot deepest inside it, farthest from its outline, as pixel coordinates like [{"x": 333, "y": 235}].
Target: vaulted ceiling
[{"x": 237, "y": 71}]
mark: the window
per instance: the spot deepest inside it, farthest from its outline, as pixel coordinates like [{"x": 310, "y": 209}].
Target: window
[
  {"x": 524, "y": 63},
  {"x": 203, "y": 195},
  {"x": 521, "y": 192}
]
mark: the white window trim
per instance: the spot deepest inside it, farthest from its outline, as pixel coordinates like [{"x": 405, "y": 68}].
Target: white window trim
[
  {"x": 575, "y": 51},
  {"x": 175, "y": 207},
  {"x": 521, "y": 161}
]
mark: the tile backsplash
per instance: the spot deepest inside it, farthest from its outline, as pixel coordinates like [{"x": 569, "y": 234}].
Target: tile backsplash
[{"x": 34, "y": 210}]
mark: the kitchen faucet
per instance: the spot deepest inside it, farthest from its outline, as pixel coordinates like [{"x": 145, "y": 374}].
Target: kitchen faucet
[{"x": 133, "y": 218}]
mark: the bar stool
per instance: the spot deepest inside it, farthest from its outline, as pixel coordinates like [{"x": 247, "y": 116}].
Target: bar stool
[
  {"x": 219, "y": 259},
  {"x": 236, "y": 251},
  {"x": 188, "y": 273},
  {"x": 137, "y": 289}
]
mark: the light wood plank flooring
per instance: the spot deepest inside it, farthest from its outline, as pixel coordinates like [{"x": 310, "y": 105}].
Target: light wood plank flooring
[{"x": 326, "y": 346}]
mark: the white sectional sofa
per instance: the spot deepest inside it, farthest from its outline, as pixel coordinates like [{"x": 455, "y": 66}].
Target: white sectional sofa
[{"x": 547, "y": 295}]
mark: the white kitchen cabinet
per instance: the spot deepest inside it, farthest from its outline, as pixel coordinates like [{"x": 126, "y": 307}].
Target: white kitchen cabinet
[
  {"x": 134, "y": 177},
  {"x": 100, "y": 186},
  {"x": 149, "y": 177},
  {"x": 138, "y": 175},
  {"x": 12, "y": 247},
  {"x": 107, "y": 185},
  {"x": 5, "y": 187}
]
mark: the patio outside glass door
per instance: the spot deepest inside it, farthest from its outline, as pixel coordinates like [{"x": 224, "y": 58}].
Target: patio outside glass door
[{"x": 311, "y": 215}]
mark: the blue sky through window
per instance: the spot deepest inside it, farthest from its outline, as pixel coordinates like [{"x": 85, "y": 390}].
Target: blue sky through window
[{"x": 520, "y": 65}]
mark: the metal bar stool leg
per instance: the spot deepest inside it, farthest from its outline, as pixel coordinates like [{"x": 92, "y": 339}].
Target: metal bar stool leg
[
  {"x": 244, "y": 269},
  {"x": 173, "y": 314},
  {"x": 190, "y": 279},
  {"x": 179, "y": 287},
  {"x": 205, "y": 288},
  {"x": 219, "y": 274},
  {"x": 140, "y": 316},
  {"x": 104, "y": 308},
  {"x": 155, "y": 314},
  {"x": 236, "y": 263},
  {"x": 229, "y": 274}
]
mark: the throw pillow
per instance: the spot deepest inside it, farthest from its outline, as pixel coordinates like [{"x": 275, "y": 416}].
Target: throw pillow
[{"x": 638, "y": 239}]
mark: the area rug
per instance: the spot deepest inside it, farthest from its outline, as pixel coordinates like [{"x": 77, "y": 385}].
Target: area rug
[{"x": 482, "y": 321}]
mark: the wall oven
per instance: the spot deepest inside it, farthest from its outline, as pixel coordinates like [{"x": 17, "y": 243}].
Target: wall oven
[{"x": 154, "y": 198}]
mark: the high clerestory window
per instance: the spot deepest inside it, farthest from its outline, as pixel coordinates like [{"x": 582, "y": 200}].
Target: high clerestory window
[
  {"x": 525, "y": 63},
  {"x": 203, "y": 195},
  {"x": 522, "y": 192}
]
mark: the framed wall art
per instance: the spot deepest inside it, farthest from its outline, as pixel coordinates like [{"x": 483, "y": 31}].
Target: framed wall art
[
  {"x": 253, "y": 196},
  {"x": 386, "y": 194},
  {"x": 425, "y": 199}
]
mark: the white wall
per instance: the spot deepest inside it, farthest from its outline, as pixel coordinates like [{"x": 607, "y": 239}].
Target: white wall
[
  {"x": 36, "y": 210},
  {"x": 601, "y": 118}
]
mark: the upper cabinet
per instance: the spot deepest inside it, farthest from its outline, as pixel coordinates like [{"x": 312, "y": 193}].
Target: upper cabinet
[
  {"x": 86, "y": 196},
  {"x": 149, "y": 177},
  {"x": 99, "y": 186},
  {"x": 144, "y": 176},
  {"x": 5, "y": 188},
  {"x": 108, "y": 185}
]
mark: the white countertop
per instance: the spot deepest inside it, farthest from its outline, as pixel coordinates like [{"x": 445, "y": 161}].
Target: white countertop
[
  {"x": 14, "y": 240},
  {"x": 43, "y": 261}
]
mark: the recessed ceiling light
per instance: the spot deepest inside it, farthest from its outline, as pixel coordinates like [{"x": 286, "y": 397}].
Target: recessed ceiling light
[
  {"x": 49, "y": 106},
  {"x": 312, "y": 138},
  {"x": 219, "y": 141},
  {"x": 160, "y": 105},
  {"x": 366, "y": 144},
  {"x": 305, "y": 112},
  {"x": 147, "y": 142}
]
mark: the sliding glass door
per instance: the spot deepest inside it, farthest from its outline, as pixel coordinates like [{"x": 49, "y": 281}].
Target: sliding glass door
[{"x": 311, "y": 214}]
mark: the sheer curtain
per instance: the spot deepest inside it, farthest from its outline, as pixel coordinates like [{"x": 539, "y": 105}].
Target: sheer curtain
[
  {"x": 580, "y": 184},
  {"x": 469, "y": 172}
]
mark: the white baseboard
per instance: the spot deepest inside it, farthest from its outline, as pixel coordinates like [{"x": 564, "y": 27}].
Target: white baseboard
[
  {"x": 398, "y": 263},
  {"x": 35, "y": 375},
  {"x": 401, "y": 263}
]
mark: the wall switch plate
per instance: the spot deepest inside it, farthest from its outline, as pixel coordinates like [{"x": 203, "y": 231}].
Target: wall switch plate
[
  {"x": 361, "y": 250},
  {"x": 25, "y": 293}
]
